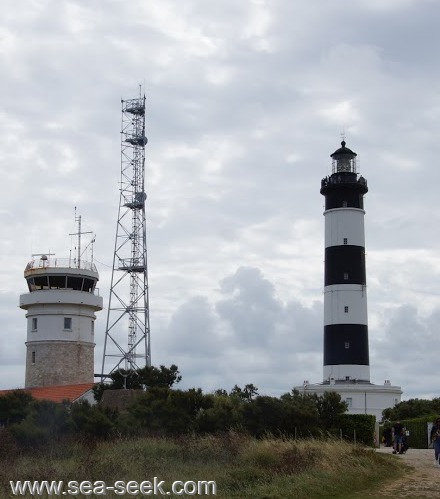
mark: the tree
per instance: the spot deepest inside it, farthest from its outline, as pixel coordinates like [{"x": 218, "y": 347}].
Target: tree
[
  {"x": 167, "y": 411},
  {"x": 263, "y": 415},
  {"x": 330, "y": 407},
  {"x": 247, "y": 393},
  {"x": 300, "y": 414},
  {"x": 45, "y": 422},
  {"x": 236, "y": 392},
  {"x": 224, "y": 415},
  {"x": 412, "y": 408},
  {"x": 139, "y": 379},
  {"x": 14, "y": 407},
  {"x": 250, "y": 391},
  {"x": 220, "y": 392},
  {"x": 94, "y": 421}
]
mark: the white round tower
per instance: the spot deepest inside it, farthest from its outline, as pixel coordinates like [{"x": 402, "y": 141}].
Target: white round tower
[{"x": 61, "y": 306}]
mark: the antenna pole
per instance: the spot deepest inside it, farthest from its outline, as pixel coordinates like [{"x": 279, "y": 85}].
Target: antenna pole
[
  {"x": 79, "y": 242},
  {"x": 79, "y": 233}
]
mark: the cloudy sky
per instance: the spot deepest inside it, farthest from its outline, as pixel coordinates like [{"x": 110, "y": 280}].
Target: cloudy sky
[{"x": 245, "y": 103}]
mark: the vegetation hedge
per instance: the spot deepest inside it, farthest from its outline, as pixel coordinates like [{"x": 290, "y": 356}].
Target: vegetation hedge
[
  {"x": 417, "y": 428},
  {"x": 362, "y": 424}
]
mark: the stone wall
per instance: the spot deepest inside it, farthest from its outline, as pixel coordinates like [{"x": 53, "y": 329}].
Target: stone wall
[{"x": 59, "y": 363}]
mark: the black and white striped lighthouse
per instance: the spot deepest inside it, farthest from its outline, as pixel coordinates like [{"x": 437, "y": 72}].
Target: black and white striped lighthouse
[{"x": 346, "y": 351}]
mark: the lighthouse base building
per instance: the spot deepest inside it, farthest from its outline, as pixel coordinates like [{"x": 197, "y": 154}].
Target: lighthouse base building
[
  {"x": 346, "y": 349},
  {"x": 361, "y": 398}
]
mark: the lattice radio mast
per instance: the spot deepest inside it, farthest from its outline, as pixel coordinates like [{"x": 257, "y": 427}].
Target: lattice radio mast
[{"x": 128, "y": 301}]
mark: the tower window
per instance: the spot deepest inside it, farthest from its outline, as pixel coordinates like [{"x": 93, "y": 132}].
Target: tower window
[
  {"x": 34, "y": 324},
  {"x": 347, "y": 345},
  {"x": 345, "y": 240},
  {"x": 41, "y": 282},
  {"x": 346, "y": 309},
  {"x": 67, "y": 323},
  {"x": 93, "y": 327},
  {"x": 33, "y": 357},
  {"x": 345, "y": 276},
  {"x": 57, "y": 282},
  {"x": 349, "y": 401},
  {"x": 344, "y": 204},
  {"x": 88, "y": 285},
  {"x": 75, "y": 283}
]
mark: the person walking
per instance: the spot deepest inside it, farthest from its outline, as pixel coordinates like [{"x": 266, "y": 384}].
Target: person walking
[
  {"x": 435, "y": 439},
  {"x": 398, "y": 437}
]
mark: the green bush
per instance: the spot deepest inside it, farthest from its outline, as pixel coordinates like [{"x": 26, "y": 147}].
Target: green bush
[{"x": 363, "y": 424}]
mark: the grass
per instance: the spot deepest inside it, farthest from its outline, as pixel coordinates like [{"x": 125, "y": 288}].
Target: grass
[{"x": 241, "y": 466}]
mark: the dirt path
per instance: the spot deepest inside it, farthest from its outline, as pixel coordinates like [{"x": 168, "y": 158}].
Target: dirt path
[{"x": 422, "y": 479}]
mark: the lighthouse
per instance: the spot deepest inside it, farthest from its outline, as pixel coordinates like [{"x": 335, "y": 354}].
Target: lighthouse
[
  {"x": 60, "y": 309},
  {"x": 346, "y": 359},
  {"x": 346, "y": 351}
]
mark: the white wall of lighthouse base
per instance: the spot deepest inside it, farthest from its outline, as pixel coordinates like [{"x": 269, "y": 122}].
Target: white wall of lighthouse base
[{"x": 363, "y": 398}]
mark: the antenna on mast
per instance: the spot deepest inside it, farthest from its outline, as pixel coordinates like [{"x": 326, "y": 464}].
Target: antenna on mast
[
  {"x": 79, "y": 233},
  {"x": 91, "y": 243}
]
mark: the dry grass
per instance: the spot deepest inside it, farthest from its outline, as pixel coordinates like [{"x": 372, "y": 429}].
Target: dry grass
[{"x": 242, "y": 467}]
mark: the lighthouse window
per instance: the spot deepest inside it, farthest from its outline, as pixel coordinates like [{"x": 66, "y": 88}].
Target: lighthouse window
[
  {"x": 344, "y": 204},
  {"x": 347, "y": 345},
  {"x": 33, "y": 357},
  {"x": 67, "y": 323},
  {"x": 346, "y": 309},
  {"x": 93, "y": 327},
  {"x": 34, "y": 324},
  {"x": 345, "y": 276},
  {"x": 345, "y": 240},
  {"x": 349, "y": 401}
]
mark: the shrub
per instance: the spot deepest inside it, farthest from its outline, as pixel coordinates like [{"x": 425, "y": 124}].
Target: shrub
[{"x": 363, "y": 424}]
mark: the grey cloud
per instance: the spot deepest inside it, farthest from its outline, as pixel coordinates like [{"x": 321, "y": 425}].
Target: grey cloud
[{"x": 246, "y": 334}]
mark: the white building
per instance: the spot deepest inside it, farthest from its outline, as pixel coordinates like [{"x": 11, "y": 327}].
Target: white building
[{"x": 362, "y": 398}]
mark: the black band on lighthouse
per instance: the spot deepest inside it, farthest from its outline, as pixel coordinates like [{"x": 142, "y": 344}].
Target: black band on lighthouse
[
  {"x": 344, "y": 190},
  {"x": 346, "y": 344},
  {"x": 344, "y": 265}
]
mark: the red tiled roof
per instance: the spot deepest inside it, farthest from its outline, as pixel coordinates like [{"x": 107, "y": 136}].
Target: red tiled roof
[{"x": 56, "y": 393}]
